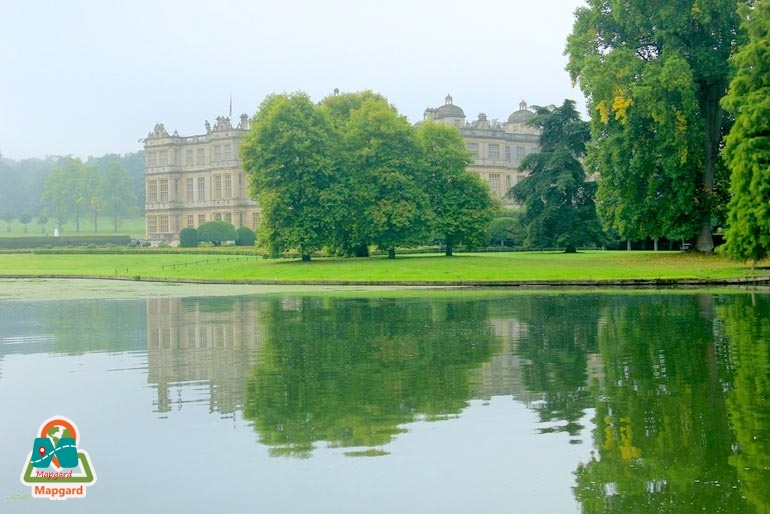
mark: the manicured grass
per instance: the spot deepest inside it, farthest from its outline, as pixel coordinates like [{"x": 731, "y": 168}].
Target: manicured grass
[
  {"x": 134, "y": 227},
  {"x": 521, "y": 266}
]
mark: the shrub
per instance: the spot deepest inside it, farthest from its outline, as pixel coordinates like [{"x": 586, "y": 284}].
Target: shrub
[
  {"x": 188, "y": 237},
  {"x": 244, "y": 236},
  {"x": 216, "y": 231}
]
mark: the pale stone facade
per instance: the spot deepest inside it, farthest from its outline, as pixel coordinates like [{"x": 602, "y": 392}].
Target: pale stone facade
[
  {"x": 498, "y": 147},
  {"x": 194, "y": 179}
]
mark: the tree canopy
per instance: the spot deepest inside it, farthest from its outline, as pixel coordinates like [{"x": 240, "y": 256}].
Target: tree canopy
[
  {"x": 462, "y": 206},
  {"x": 558, "y": 201},
  {"x": 289, "y": 153},
  {"x": 216, "y": 231},
  {"x": 654, "y": 73},
  {"x": 748, "y": 144},
  {"x": 351, "y": 172}
]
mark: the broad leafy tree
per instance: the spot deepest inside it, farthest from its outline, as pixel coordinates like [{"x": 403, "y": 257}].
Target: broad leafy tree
[
  {"x": 62, "y": 196},
  {"x": 558, "y": 201},
  {"x": 748, "y": 143},
  {"x": 460, "y": 202},
  {"x": 381, "y": 173},
  {"x": 216, "y": 231},
  {"x": 505, "y": 231},
  {"x": 289, "y": 154},
  {"x": 116, "y": 193},
  {"x": 654, "y": 73}
]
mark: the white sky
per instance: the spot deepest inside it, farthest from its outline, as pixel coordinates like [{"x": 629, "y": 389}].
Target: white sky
[{"x": 89, "y": 77}]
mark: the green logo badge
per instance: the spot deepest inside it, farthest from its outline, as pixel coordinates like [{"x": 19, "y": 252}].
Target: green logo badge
[{"x": 57, "y": 468}]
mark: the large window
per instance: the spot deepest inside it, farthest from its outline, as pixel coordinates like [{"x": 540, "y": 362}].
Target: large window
[
  {"x": 152, "y": 224},
  {"x": 494, "y": 182},
  {"x": 493, "y": 151},
  {"x": 190, "y": 221},
  {"x": 152, "y": 159},
  {"x": 228, "y": 186},
  {"x": 164, "y": 224},
  {"x": 164, "y": 190},
  {"x": 474, "y": 149},
  {"x": 201, "y": 156},
  {"x": 520, "y": 153},
  {"x": 188, "y": 157},
  {"x": 188, "y": 187},
  {"x": 201, "y": 189},
  {"x": 217, "y": 153},
  {"x": 228, "y": 151},
  {"x": 152, "y": 191},
  {"x": 163, "y": 158},
  {"x": 217, "y": 187},
  {"x": 201, "y": 219},
  {"x": 507, "y": 154}
]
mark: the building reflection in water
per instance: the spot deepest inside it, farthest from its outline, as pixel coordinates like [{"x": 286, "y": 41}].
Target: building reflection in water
[
  {"x": 208, "y": 344},
  {"x": 201, "y": 350}
]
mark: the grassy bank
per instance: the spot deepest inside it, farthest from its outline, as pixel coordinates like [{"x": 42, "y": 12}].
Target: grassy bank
[{"x": 523, "y": 266}]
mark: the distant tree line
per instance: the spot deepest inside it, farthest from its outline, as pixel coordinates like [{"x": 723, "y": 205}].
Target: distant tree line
[
  {"x": 68, "y": 189},
  {"x": 350, "y": 173}
]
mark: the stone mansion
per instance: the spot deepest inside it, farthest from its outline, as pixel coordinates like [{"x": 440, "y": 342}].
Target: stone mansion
[{"x": 193, "y": 179}]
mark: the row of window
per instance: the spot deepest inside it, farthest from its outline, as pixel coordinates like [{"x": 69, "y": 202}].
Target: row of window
[
  {"x": 157, "y": 190},
  {"x": 494, "y": 183},
  {"x": 193, "y": 156},
  {"x": 493, "y": 152},
  {"x": 163, "y": 223}
]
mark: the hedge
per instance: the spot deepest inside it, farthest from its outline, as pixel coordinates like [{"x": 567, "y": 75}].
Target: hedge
[{"x": 11, "y": 243}]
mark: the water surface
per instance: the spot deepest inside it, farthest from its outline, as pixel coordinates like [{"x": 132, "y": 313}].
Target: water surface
[{"x": 390, "y": 402}]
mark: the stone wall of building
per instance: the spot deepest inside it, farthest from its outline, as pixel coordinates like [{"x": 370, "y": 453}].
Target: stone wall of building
[
  {"x": 497, "y": 147},
  {"x": 194, "y": 179}
]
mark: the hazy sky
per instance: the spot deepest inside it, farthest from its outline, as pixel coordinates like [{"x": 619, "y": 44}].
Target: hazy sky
[{"x": 89, "y": 77}]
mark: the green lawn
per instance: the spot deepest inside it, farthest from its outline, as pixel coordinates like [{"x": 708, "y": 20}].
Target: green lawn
[
  {"x": 520, "y": 266},
  {"x": 131, "y": 226}
]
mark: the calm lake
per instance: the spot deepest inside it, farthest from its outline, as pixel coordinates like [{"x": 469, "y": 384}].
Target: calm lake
[{"x": 396, "y": 402}]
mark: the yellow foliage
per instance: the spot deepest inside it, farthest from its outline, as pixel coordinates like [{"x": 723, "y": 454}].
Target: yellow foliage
[
  {"x": 604, "y": 113},
  {"x": 620, "y": 105}
]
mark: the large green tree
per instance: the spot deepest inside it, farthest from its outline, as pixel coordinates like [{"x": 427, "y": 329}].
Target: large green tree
[
  {"x": 654, "y": 73},
  {"x": 460, "y": 202},
  {"x": 558, "y": 201},
  {"x": 381, "y": 176},
  {"x": 64, "y": 192},
  {"x": 289, "y": 154},
  {"x": 116, "y": 193},
  {"x": 748, "y": 143}
]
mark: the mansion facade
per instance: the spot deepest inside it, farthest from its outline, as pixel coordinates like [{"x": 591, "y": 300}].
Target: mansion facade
[
  {"x": 497, "y": 148},
  {"x": 194, "y": 179}
]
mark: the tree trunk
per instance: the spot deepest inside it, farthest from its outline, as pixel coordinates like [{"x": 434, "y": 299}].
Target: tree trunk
[
  {"x": 305, "y": 257},
  {"x": 628, "y": 245},
  {"x": 705, "y": 242},
  {"x": 115, "y": 223},
  {"x": 391, "y": 253},
  {"x": 448, "y": 251},
  {"x": 710, "y": 94},
  {"x": 655, "y": 244}
]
